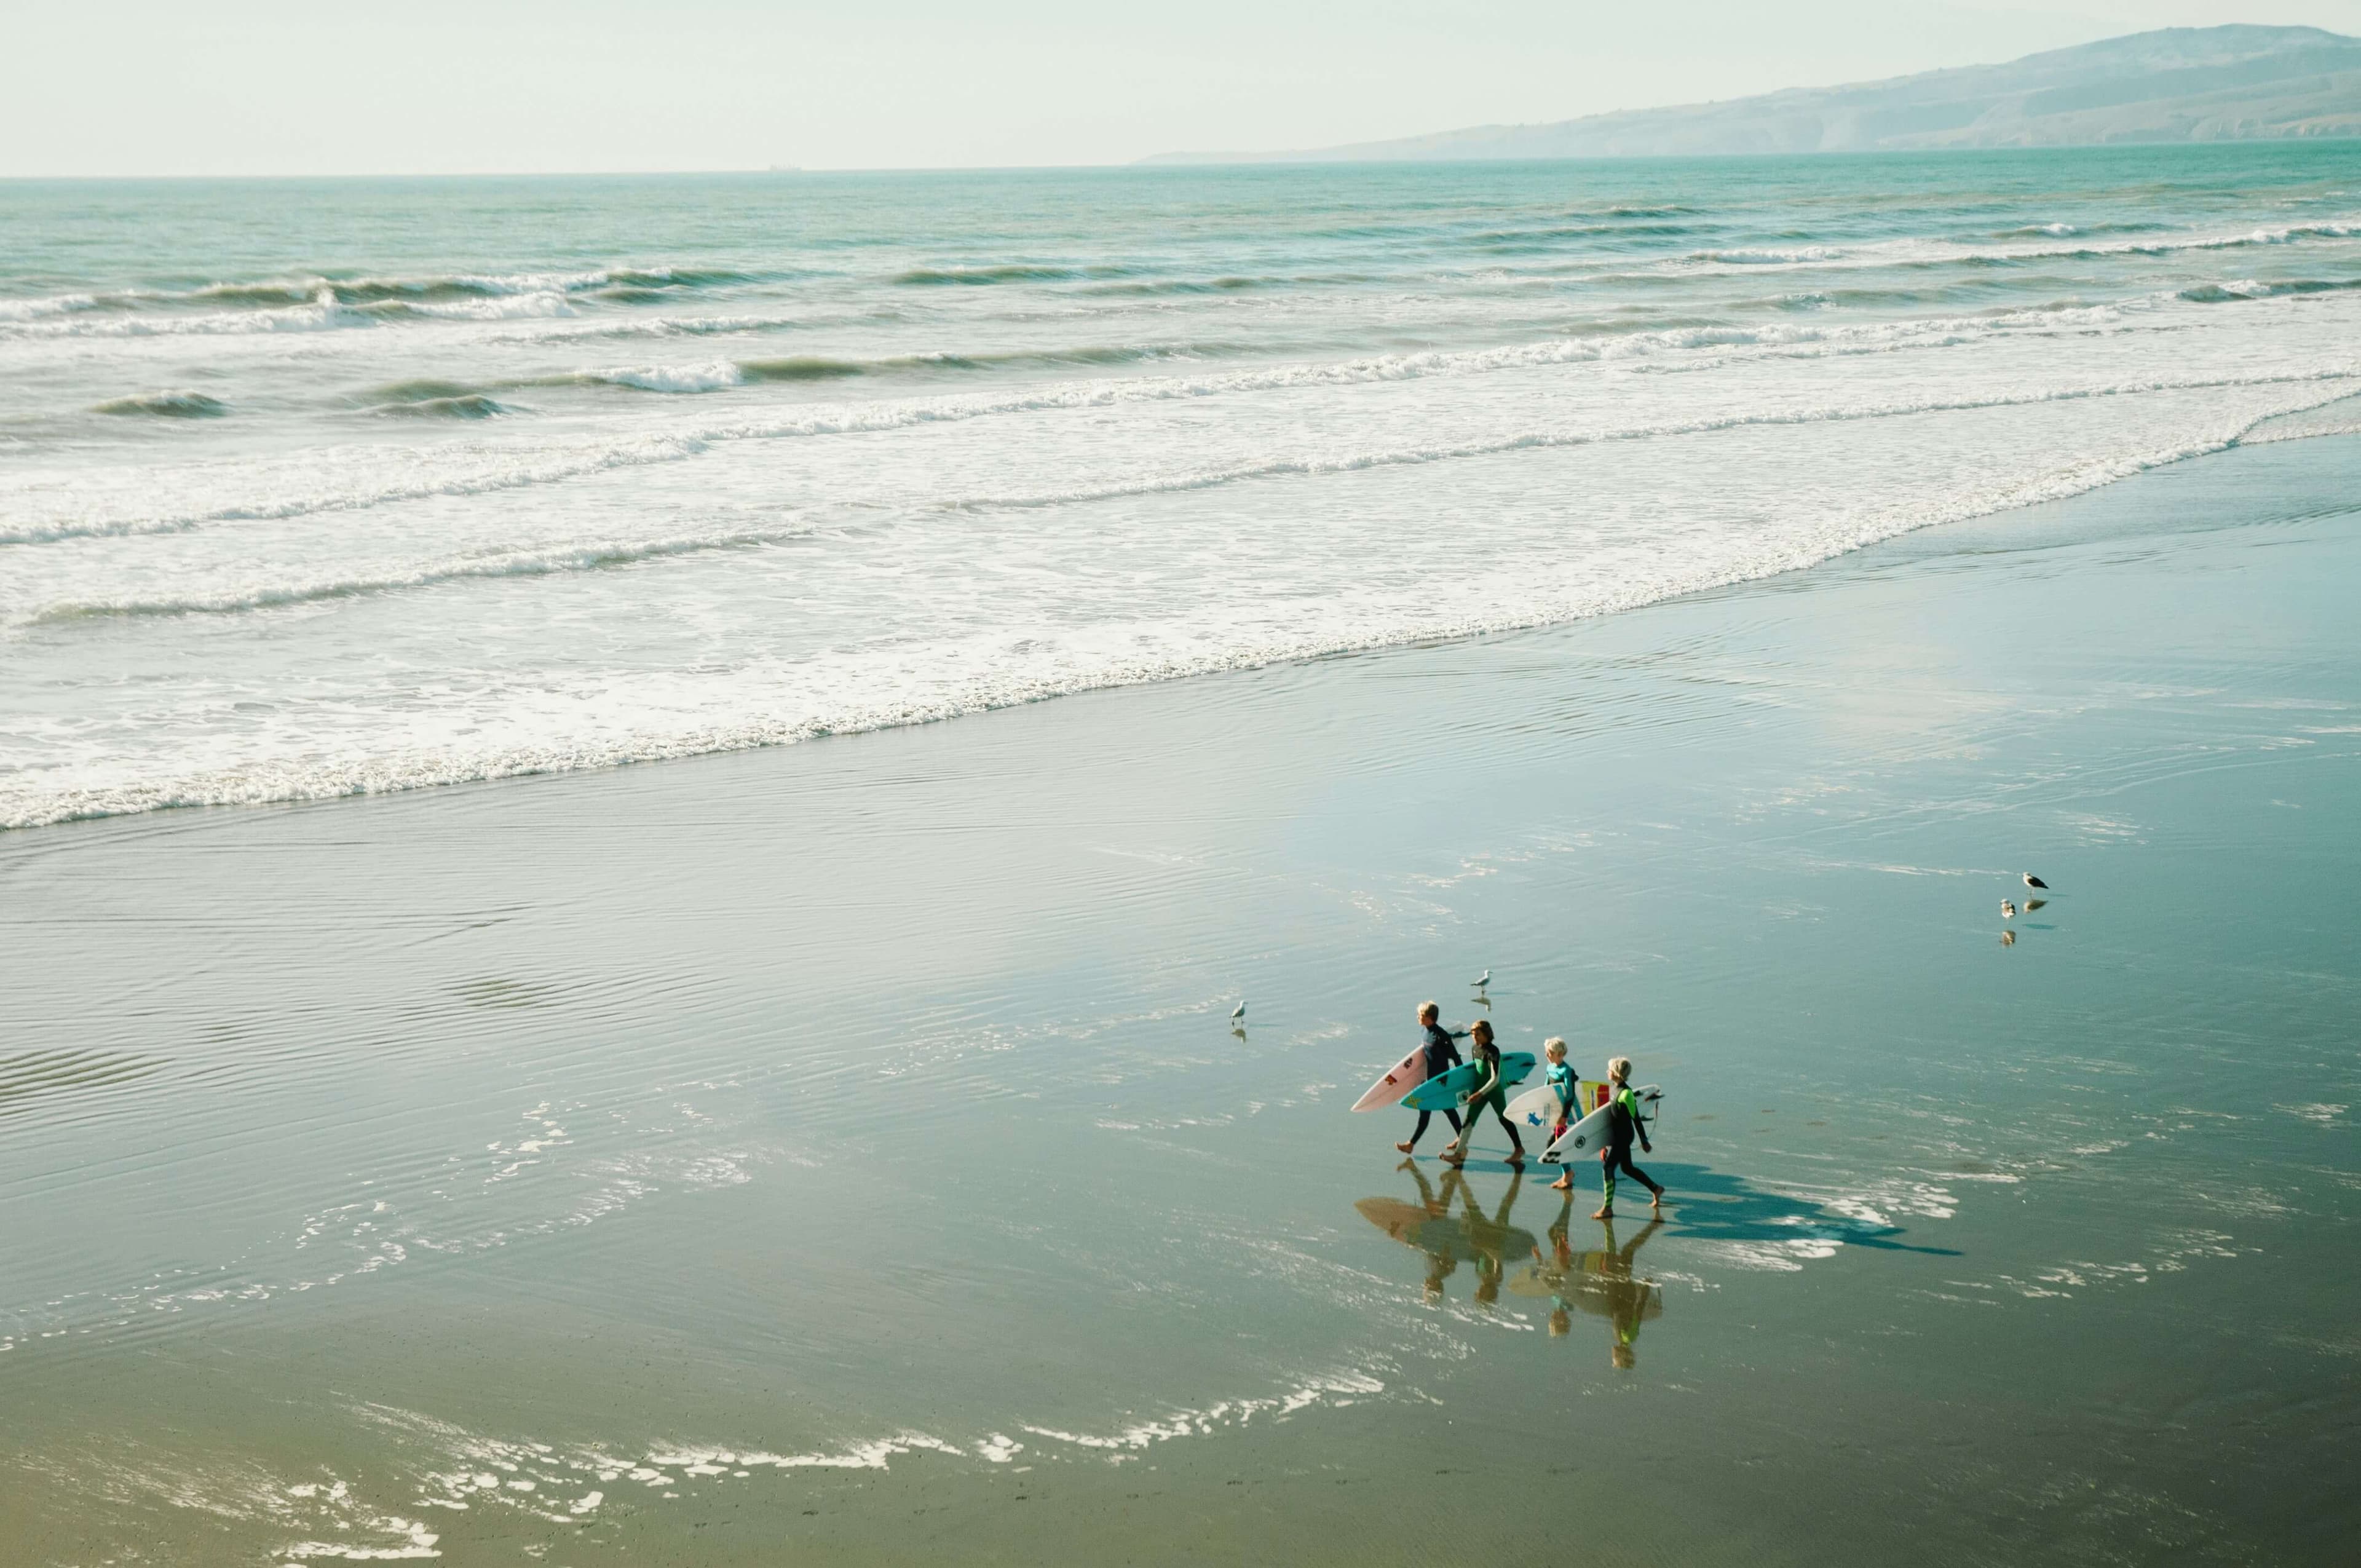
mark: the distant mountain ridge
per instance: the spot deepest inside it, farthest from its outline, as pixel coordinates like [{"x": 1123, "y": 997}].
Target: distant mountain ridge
[{"x": 2176, "y": 84}]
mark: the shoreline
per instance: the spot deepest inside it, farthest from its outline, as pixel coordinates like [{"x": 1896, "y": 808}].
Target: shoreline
[{"x": 773, "y": 1106}]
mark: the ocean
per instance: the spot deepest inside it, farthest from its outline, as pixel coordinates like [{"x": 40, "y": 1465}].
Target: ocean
[
  {"x": 841, "y": 1151},
  {"x": 310, "y": 488}
]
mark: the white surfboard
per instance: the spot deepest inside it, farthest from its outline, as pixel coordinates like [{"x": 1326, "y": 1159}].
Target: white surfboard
[
  {"x": 1535, "y": 1111},
  {"x": 1588, "y": 1135},
  {"x": 1399, "y": 1079}
]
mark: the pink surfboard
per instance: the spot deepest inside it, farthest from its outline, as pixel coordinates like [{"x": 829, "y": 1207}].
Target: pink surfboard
[{"x": 1399, "y": 1079}]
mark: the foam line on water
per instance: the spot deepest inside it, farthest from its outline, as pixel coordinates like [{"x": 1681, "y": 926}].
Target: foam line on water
[
  {"x": 586, "y": 557},
  {"x": 882, "y": 415},
  {"x": 597, "y": 555}
]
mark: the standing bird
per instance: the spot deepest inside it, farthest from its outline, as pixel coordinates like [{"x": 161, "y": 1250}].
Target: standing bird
[
  {"x": 2007, "y": 910},
  {"x": 1483, "y": 980},
  {"x": 1238, "y": 1013},
  {"x": 2032, "y": 881}
]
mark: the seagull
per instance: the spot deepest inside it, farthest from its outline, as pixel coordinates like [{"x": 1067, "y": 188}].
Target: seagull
[
  {"x": 1239, "y": 1013},
  {"x": 2032, "y": 881},
  {"x": 2007, "y": 910},
  {"x": 1483, "y": 980}
]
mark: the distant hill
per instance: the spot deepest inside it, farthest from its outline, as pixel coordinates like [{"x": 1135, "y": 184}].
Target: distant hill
[{"x": 2178, "y": 84}]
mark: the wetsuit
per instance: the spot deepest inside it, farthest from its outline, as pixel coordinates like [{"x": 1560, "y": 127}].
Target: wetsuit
[
  {"x": 1622, "y": 1124},
  {"x": 1442, "y": 1056},
  {"x": 1491, "y": 1094},
  {"x": 1562, "y": 1080}
]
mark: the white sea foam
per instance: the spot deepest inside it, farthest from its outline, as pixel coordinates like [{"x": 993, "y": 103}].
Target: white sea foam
[
  {"x": 859, "y": 702},
  {"x": 1914, "y": 250},
  {"x": 322, "y": 315},
  {"x": 1769, "y": 257},
  {"x": 542, "y": 303},
  {"x": 55, "y": 305},
  {"x": 711, "y": 377}
]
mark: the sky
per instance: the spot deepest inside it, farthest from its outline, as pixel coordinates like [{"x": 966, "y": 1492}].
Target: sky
[{"x": 234, "y": 87}]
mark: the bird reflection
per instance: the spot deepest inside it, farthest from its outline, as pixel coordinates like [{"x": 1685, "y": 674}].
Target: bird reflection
[
  {"x": 2033, "y": 903},
  {"x": 2008, "y": 939},
  {"x": 1599, "y": 1282},
  {"x": 1239, "y": 1033},
  {"x": 1487, "y": 1241}
]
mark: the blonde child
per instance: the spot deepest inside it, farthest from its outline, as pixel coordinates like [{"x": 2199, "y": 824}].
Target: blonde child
[
  {"x": 1621, "y": 1127},
  {"x": 1561, "y": 1079}
]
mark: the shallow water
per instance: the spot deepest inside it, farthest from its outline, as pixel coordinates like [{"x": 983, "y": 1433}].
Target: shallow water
[
  {"x": 843, "y": 1150},
  {"x": 314, "y": 488}
]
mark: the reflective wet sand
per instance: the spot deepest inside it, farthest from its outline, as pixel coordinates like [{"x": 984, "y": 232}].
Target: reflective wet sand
[{"x": 843, "y": 1151}]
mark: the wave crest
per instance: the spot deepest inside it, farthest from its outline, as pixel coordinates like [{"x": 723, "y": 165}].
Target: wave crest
[{"x": 180, "y": 404}]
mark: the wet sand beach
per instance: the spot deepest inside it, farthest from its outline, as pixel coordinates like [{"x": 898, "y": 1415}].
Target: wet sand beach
[{"x": 841, "y": 1153}]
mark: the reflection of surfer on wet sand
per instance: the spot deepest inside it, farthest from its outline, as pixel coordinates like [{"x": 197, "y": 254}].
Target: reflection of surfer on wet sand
[
  {"x": 1488, "y": 1241},
  {"x": 1601, "y": 1283}
]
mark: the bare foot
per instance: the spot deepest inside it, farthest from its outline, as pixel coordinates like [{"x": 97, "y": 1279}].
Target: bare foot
[
  {"x": 1564, "y": 1186},
  {"x": 1518, "y": 1160},
  {"x": 1604, "y": 1214},
  {"x": 1658, "y": 1200},
  {"x": 1405, "y": 1148},
  {"x": 1455, "y": 1160}
]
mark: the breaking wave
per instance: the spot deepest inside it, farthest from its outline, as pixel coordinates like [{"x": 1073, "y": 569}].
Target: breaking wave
[
  {"x": 166, "y": 405},
  {"x": 465, "y": 405},
  {"x": 2253, "y": 289},
  {"x": 318, "y": 302}
]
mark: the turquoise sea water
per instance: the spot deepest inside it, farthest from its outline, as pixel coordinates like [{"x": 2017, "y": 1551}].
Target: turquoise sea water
[
  {"x": 315, "y": 488},
  {"x": 839, "y": 1152}
]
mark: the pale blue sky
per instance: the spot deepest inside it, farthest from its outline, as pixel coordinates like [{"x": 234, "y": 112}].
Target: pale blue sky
[{"x": 432, "y": 86}]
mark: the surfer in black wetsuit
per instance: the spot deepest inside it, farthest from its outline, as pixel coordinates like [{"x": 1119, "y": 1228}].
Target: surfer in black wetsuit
[{"x": 1442, "y": 1056}]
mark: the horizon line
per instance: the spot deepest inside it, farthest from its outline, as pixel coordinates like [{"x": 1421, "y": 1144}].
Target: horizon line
[{"x": 1159, "y": 163}]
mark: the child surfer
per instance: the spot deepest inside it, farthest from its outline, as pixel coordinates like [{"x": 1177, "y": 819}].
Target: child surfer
[
  {"x": 1621, "y": 1126},
  {"x": 1442, "y": 1056},
  {"x": 1490, "y": 1093},
  {"x": 1561, "y": 1079}
]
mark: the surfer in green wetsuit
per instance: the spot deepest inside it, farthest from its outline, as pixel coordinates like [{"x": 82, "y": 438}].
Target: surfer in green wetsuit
[
  {"x": 1622, "y": 1126},
  {"x": 1490, "y": 1093}
]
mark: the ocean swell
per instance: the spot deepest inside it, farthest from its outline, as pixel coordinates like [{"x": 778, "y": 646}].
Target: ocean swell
[
  {"x": 166, "y": 405},
  {"x": 888, "y": 414}
]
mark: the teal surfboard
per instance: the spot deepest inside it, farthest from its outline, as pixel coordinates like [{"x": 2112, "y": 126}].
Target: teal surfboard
[{"x": 1442, "y": 1092}]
